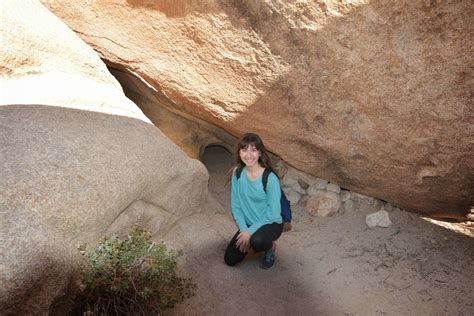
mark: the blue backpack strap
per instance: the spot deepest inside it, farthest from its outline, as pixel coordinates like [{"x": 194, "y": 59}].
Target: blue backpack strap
[
  {"x": 284, "y": 203},
  {"x": 265, "y": 175}
]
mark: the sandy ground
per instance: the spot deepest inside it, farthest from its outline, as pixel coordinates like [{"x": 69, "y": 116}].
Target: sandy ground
[{"x": 327, "y": 266}]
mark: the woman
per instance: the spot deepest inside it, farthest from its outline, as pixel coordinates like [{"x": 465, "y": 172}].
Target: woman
[{"x": 256, "y": 212}]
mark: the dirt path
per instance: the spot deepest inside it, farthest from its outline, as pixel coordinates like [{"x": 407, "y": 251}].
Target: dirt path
[{"x": 329, "y": 266}]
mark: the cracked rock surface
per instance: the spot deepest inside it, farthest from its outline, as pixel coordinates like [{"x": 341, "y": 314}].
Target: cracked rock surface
[{"x": 373, "y": 96}]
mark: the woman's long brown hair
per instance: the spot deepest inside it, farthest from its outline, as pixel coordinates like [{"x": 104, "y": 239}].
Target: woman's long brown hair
[{"x": 251, "y": 139}]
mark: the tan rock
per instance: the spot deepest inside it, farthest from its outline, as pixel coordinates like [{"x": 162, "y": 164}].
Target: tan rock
[
  {"x": 55, "y": 65},
  {"x": 378, "y": 219},
  {"x": 323, "y": 204},
  {"x": 348, "y": 206},
  {"x": 80, "y": 161},
  {"x": 333, "y": 188},
  {"x": 293, "y": 196},
  {"x": 373, "y": 96},
  {"x": 361, "y": 198},
  {"x": 301, "y": 177},
  {"x": 388, "y": 207},
  {"x": 345, "y": 195}
]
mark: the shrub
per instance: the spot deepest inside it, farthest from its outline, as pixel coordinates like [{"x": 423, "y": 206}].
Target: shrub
[{"x": 131, "y": 276}]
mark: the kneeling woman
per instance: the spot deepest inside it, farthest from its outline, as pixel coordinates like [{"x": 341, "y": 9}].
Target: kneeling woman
[{"x": 256, "y": 212}]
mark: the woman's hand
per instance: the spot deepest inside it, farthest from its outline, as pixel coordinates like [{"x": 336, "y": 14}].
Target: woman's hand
[{"x": 243, "y": 241}]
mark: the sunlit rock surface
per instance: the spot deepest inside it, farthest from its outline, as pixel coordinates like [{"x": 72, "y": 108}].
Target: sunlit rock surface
[
  {"x": 78, "y": 160},
  {"x": 372, "y": 96}
]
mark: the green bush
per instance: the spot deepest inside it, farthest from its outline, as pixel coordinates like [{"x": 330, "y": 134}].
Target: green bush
[{"x": 132, "y": 276}]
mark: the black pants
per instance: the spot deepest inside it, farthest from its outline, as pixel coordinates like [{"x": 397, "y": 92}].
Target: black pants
[{"x": 261, "y": 240}]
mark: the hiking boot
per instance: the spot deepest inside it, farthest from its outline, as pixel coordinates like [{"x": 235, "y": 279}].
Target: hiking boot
[{"x": 268, "y": 259}]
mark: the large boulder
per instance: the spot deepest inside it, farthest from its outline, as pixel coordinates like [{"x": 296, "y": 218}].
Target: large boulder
[
  {"x": 78, "y": 160},
  {"x": 373, "y": 96}
]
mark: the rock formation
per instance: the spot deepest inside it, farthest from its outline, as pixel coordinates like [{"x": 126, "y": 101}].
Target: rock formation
[
  {"x": 78, "y": 160},
  {"x": 372, "y": 96}
]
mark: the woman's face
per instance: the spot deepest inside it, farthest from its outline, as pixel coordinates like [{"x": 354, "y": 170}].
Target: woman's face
[{"x": 249, "y": 155}]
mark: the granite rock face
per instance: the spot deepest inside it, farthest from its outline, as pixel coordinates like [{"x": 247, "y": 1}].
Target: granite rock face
[
  {"x": 372, "y": 96},
  {"x": 78, "y": 160}
]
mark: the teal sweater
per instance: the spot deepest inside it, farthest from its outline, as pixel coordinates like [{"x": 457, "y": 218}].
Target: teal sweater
[{"x": 251, "y": 206}]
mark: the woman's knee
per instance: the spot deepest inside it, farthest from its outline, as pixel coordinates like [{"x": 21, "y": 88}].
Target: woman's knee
[
  {"x": 260, "y": 243},
  {"x": 229, "y": 260},
  {"x": 233, "y": 256}
]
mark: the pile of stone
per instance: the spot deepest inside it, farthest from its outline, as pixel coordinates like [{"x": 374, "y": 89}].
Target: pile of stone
[{"x": 322, "y": 198}]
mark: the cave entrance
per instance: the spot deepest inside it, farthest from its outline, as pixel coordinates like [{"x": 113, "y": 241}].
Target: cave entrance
[{"x": 218, "y": 161}]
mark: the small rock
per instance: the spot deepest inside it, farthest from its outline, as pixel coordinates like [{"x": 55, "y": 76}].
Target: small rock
[
  {"x": 396, "y": 209},
  {"x": 323, "y": 203},
  {"x": 303, "y": 184},
  {"x": 331, "y": 187},
  {"x": 362, "y": 198},
  {"x": 380, "y": 219},
  {"x": 293, "y": 196},
  {"x": 304, "y": 199},
  {"x": 300, "y": 176},
  {"x": 296, "y": 187},
  {"x": 348, "y": 205},
  {"x": 313, "y": 190},
  {"x": 345, "y": 195},
  {"x": 378, "y": 204},
  {"x": 288, "y": 181},
  {"x": 388, "y": 207},
  {"x": 320, "y": 184}
]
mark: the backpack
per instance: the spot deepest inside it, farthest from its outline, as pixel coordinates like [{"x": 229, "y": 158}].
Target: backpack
[{"x": 284, "y": 203}]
